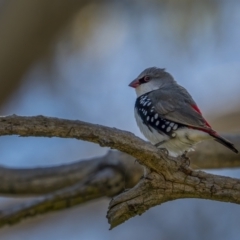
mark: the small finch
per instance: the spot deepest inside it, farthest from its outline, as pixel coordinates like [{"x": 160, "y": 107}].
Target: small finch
[{"x": 168, "y": 116}]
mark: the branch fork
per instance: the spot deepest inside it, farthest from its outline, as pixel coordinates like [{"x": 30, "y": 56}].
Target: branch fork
[{"x": 68, "y": 185}]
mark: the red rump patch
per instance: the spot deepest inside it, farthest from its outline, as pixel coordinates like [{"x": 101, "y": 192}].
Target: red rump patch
[{"x": 195, "y": 107}]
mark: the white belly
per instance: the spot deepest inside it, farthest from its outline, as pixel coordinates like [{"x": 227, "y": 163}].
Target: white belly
[{"x": 184, "y": 141}]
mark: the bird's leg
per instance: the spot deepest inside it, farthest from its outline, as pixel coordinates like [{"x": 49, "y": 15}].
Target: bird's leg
[
  {"x": 185, "y": 160},
  {"x": 159, "y": 144},
  {"x": 164, "y": 151}
]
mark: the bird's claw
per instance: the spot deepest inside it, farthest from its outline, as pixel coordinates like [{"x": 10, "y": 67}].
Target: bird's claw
[
  {"x": 164, "y": 151},
  {"x": 185, "y": 160}
]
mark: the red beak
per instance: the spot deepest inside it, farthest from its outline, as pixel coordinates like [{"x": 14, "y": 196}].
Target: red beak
[{"x": 134, "y": 83}]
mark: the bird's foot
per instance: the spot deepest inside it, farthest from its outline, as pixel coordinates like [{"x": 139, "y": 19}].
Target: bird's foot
[
  {"x": 185, "y": 160},
  {"x": 164, "y": 151}
]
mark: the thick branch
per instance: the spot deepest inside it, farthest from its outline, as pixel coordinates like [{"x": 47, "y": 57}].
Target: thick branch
[
  {"x": 114, "y": 138},
  {"x": 48, "y": 179},
  {"x": 44, "y": 180},
  {"x": 37, "y": 181},
  {"x": 124, "y": 141},
  {"x": 191, "y": 184},
  {"x": 105, "y": 176},
  {"x": 107, "y": 182},
  {"x": 171, "y": 179}
]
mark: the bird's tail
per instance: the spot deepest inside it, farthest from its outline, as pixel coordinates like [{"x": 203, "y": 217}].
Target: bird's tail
[{"x": 223, "y": 141}]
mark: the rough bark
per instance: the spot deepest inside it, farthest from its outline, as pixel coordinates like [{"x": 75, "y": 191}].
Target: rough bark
[
  {"x": 170, "y": 178},
  {"x": 39, "y": 181},
  {"x": 157, "y": 189},
  {"x": 43, "y": 180},
  {"x": 107, "y": 182}
]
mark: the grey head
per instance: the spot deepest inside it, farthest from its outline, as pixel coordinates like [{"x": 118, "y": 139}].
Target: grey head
[{"x": 151, "y": 79}]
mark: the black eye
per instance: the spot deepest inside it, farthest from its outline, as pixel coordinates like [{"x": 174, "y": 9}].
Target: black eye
[{"x": 144, "y": 79}]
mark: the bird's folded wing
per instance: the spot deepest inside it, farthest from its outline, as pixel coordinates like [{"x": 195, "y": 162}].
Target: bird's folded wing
[{"x": 178, "y": 106}]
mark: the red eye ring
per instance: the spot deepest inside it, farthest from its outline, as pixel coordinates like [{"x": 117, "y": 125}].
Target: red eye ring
[{"x": 146, "y": 78}]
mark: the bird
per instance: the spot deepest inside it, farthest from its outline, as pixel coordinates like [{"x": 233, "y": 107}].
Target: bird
[{"x": 167, "y": 115}]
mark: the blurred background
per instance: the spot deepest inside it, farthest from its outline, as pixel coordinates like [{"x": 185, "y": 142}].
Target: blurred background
[{"x": 74, "y": 59}]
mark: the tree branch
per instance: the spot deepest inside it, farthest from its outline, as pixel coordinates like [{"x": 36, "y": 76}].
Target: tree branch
[
  {"x": 105, "y": 176},
  {"x": 38, "y": 181},
  {"x": 191, "y": 184},
  {"x": 107, "y": 182},
  {"x": 124, "y": 141},
  {"x": 170, "y": 178}
]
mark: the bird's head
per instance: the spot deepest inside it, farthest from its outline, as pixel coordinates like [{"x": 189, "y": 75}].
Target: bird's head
[{"x": 151, "y": 79}]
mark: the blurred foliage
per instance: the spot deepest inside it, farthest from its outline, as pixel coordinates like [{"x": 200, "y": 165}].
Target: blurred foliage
[{"x": 28, "y": 29}]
